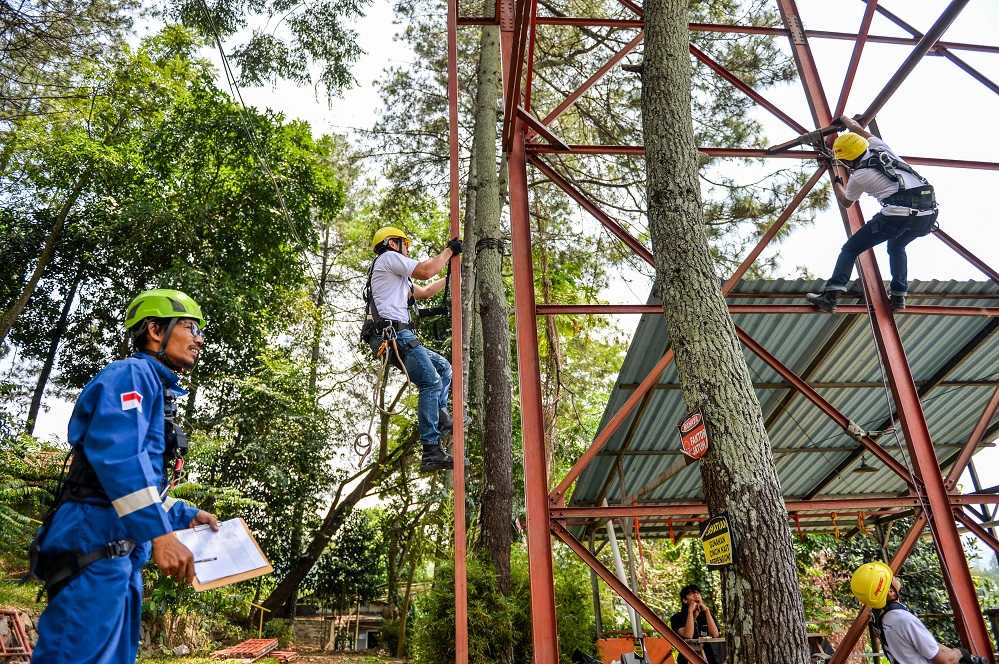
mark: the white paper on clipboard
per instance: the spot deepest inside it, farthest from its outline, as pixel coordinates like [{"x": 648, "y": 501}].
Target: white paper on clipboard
[{"x": 228, "y": 552}]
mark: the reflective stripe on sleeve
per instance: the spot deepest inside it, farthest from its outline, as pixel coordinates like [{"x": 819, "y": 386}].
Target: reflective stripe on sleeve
[
  {"x": 168, "y": 502},
  {"x": 136, "y": 501}
]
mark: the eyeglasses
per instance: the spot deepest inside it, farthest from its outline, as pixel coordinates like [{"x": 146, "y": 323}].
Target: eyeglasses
[{"x": 194, "y": 328}]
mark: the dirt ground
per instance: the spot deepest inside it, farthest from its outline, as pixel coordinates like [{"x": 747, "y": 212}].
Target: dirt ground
[{"x": 347, "y": 659}]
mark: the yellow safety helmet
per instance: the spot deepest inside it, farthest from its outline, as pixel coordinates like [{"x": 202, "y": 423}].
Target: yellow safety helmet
[
  {"x": 385, "y": 233},
  {"x": 848, "y": 146},
  {"x": 870, "y": 584}
]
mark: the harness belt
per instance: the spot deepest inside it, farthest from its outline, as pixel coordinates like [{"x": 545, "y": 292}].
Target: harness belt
[
  {"x": 56, "y": 570},
  {"x": 374, "y": 325},
  {"x": 81, "y": 485},
  {"x": 917, "y": 199}
]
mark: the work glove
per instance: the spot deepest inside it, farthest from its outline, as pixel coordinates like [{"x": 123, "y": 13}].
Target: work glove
[{"x": 454, "y": 244}]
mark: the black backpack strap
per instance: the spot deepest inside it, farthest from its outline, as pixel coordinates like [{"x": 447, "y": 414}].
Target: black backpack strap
[{"x": 878, "y": 617}]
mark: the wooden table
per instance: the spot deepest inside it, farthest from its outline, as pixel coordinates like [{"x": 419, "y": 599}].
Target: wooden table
[{"x": 719, "y": 649}]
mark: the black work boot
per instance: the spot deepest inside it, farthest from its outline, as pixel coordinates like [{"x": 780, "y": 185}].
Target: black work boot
[
  {"x": 444, "y": 421},
  {"x": 824, "y": 301},
  {"x": 435, "y": 458},
  {"x": 897, "y": 301}
]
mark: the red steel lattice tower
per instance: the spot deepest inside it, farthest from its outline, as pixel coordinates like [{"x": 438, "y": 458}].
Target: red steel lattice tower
[{"x": 526, "y": 140}]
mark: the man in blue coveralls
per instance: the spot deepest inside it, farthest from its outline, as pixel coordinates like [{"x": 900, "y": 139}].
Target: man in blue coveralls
[{"x": 112, "y": 511}]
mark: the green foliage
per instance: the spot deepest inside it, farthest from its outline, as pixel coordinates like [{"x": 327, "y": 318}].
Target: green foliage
[
  {"x": 280, "y": 629},
  {"x": 573, "y": 604},
  {"x": 29, "y": 473},
  {"x": 216, "y": 611},
  {"x": 313, "y": 38},
  {"x": 825, "y": 566},
  {"x": 506, "y": 619},
  {"x": 14, "y": 594},
  {"x": 352, "y": 569},
  {"x": 489, "y": 612}
]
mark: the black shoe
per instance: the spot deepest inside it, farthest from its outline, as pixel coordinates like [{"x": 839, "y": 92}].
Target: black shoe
[
  {"x": 435, "y": 458},
  {"x": 824, "y": 301},
  {"x": 897, "y": 301},
  {"x": 444, "y": 422}
]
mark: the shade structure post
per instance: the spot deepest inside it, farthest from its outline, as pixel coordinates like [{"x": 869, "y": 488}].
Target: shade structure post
[{"x": 539, "y": 546}]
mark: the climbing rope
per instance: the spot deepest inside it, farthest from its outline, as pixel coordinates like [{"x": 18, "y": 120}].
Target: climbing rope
[
  {"x": 891, "y": 410},
  {"x": 364, "y": 442}
]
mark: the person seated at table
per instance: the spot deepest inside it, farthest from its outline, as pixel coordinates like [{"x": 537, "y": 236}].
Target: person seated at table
[{"x": 693, "y": 620}]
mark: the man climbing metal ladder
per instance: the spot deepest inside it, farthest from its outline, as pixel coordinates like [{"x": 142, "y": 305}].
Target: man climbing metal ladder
[
  {"x": 908, "y": 210},
  {"x": 388, "y": 293}
]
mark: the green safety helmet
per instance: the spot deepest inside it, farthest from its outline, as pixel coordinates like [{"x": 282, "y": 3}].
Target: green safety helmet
[{"x": 162, "y": 303}]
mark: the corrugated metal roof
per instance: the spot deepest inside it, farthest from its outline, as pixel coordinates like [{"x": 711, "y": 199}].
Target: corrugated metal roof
[{"x": 849, "y": 377}]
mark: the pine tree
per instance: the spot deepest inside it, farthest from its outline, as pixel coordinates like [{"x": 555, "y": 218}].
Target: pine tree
[{"x": 763, "y": 607}]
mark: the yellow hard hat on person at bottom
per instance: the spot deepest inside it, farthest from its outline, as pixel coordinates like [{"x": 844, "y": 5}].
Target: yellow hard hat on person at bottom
[
  {"x": 870, "y": 584},
  {"x": 848, "y": 146},
  {"x": 385, "y": 232}
]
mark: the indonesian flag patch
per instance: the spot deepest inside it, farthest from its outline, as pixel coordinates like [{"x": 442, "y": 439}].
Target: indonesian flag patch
[{"x": 131, "y": 400}]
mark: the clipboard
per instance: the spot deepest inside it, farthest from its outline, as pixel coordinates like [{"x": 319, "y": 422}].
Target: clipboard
[{"x": 243, "y": 575}]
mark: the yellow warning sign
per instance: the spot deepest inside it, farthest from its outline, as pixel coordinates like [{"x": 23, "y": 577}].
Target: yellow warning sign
[{"x": 716, "y": 537}]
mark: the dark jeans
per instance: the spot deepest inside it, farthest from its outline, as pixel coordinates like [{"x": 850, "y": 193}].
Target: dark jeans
[{"x": 897, "y": 232}]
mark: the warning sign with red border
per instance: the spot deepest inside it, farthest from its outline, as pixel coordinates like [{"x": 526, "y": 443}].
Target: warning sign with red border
[{"x": 693, "y": 435}]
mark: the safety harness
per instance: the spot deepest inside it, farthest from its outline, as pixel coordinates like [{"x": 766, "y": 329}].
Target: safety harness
[
  {"x": 80, "y": 484},
  {"x": 375, "y": 326},
  {"x": 879, "y": 617},
  {"x": 966, "y": 657},
  {"x": 918, "y": 199}
]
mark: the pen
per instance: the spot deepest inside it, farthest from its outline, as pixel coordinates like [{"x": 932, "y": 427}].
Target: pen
[{"x": 206, "y": 560}]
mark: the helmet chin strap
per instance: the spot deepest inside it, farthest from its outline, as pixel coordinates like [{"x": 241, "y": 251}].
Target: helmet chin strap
[{"x": 161, "y": 353}]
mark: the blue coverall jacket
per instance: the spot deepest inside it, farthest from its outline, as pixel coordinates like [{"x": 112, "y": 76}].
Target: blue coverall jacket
[{"x": 118, "y": 423}]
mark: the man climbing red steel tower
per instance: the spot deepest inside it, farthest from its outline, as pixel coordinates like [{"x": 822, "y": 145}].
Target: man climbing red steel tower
[
  {"x": 388, "y": 295},
  {"x": 908, "y": 210}
]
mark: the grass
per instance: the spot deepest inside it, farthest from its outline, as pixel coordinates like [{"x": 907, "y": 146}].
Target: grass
[{"x": 15, "y": 595}]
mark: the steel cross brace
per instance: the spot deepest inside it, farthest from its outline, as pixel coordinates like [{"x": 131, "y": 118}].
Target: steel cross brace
[
  {"x": 938, "y": 49},
  {"x": 964, "y": 457},
  {"x": 557, "y": 495},
  {"x": 976, "y": 529},
  {"x": 754, "y": 153},
  {"x": 858, "y": 48},
  {"x": 804, "y": 309},
  {"x": 626, "y": 594},
  {"x": 965, "y": 253},
  {"x": 839, "y": 418},
  {"x": 644, "y": 511}
]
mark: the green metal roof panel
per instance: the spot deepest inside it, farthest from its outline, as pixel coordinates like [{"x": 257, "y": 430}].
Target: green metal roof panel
[{"x": 849, "y": 377}]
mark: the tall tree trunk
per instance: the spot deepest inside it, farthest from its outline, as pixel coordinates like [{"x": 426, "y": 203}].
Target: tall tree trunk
[
  {"x": 43, "y": 377},
  {"x": 471, "y": 330},
  {"x": 497, "y": 497},
  {"x": 298, "y": 516},
  {"x": 278, "y": 602},
  {"x": 763, "y": 608},
  {"x": 414, "y": 556},
  {"x": 469, "y": 238},
  {"x": 48, "y": 252},
  {"x": 552, "y": 388}
]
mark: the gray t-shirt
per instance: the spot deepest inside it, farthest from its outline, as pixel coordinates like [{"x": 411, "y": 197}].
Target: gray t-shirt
[
  {"x": 873, "y": 182},
  {"x": 907, "y": 639},
  {"x": 391, "y": 285}
]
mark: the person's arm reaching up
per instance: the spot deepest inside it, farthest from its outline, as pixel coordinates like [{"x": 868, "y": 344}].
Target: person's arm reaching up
[
  {"x": 854, "y": 126},
  {"x": 432, "y": 266}
]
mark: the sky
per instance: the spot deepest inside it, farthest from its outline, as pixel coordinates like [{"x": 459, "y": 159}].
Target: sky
[{"x": 939, "y": 111}]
